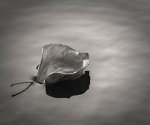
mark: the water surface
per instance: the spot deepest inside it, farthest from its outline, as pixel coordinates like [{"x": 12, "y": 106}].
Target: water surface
[{"x": 116, "y": 36}]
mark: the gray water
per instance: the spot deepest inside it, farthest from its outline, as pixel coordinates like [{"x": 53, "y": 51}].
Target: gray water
[{"x": 115, "y": 33}]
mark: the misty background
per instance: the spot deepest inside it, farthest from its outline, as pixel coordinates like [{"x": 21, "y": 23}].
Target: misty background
[{"x": 115, "y": 33}]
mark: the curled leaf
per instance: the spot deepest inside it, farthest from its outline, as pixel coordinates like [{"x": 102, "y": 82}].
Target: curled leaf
[{"x": 60, "y": 62}]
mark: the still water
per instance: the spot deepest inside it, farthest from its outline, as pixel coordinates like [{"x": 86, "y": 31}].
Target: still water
[{"x": 116, "y": 36}]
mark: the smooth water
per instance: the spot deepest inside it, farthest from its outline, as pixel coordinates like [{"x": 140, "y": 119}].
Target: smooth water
[{"x": 116, "y": 36}]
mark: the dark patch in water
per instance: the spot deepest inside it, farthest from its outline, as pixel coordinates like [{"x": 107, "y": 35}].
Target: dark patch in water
[{"x": 68, "y": 88}]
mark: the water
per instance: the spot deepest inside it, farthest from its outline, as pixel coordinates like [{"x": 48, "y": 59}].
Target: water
[{"x": 116, "y": 36}]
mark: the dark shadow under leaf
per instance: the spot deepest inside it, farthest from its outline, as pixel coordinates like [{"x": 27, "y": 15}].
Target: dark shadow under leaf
[{"x": 68, "y": 88}]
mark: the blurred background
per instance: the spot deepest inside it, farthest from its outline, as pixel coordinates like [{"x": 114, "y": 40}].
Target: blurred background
[{"x": 115, "y": 33}]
